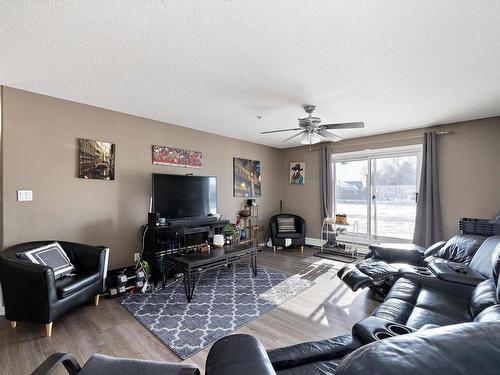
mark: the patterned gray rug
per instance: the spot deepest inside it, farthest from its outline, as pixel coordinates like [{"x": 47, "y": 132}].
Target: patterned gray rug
[{"x": 224, "y": 299}]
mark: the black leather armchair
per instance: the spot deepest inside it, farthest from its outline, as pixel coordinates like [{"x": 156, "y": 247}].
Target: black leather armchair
[
  {"x": 32, "y": 294},
  {"x": 298, "y": 237}
]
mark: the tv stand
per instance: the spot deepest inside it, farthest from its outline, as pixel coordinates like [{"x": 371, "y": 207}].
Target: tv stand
[
  {"x": 161, "y": 240},
  {"x": 192, "y": 221}
]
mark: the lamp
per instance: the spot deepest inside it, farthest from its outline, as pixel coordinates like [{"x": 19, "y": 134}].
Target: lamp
[{"x": 310, "y": 138}]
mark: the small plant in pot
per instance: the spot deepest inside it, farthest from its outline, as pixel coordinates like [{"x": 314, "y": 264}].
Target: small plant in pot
[{"x": 228, "y": 232}]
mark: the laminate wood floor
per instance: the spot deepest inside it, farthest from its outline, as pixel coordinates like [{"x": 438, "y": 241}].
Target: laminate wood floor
[{"x": 327, "y": 309}]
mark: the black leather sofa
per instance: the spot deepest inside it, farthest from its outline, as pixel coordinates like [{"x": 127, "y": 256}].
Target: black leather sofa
[
  {"x": 416, "y": 299},
  {"x": 298, "y": 238},
  {"x": 425, "y": 326},
  {"x": 32, "y": 294},
  {"x": 385, "y": 261},
  {"x": 459, "y": 249},
  {"x": 460, "y": 349}
]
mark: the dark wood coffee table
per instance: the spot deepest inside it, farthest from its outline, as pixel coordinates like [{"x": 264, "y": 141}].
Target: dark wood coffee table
[{"x": 192, "y": 264}]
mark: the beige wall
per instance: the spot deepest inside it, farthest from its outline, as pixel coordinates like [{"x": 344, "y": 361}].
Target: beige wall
[
  {"x": 41, "y": 154},
  {"x": 469, "y": 171}
]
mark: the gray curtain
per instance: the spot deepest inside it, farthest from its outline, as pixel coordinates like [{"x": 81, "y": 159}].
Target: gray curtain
[
  {"x": 326, "y": 180},
  {"x": 428, "y": 228}
]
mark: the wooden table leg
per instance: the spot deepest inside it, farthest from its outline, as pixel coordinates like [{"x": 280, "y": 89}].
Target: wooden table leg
[{"x": 48, "y": 329}]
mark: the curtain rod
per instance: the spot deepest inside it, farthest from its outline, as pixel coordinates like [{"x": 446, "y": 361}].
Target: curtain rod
[{"x": 444, "y": 132}]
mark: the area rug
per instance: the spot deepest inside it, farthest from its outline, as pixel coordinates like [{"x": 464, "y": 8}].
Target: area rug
[{"x": 224, "y": 299}]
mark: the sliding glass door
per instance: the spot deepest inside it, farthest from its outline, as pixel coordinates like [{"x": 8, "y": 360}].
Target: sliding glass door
[
  {"x": 351, "y": 191},
  {"x": 393, "y": 196},
  {"x": 378, "y": 190}
]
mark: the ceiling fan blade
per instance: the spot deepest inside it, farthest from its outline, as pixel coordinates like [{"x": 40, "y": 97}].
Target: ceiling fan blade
[
  {"x": 330, "y": 136},
  {"x": 293, "y": 136},
  {"x": 345, "y": 125},
  {"x": 277, "y": 131}
]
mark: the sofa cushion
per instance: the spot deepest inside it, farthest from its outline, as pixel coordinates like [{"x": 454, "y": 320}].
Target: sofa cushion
[
  {"x": 283, "y": 235},
  {"x": 71, "y": 284},
  {"x": 483, "y": 296},
  {"x": 406, "y": 290},
  {"x": 394, "y": 310},
  {"x": 481, "y": 262},
  {"x": 449, "y": 305},
  {"x": 460, "y": 248},
  {"x": 490, "y": 314},
  {"x": 397, "y": 252},
  {"x": 420, "y": 317},
  {"x": 286, "y": 224}
]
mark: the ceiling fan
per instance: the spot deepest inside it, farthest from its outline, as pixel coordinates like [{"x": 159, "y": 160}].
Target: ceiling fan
[{"x": 312, "y": 131}]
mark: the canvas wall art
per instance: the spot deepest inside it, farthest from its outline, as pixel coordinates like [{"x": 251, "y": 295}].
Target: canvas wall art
[
  {"x": 97, "y": 160},
  {"x": 176, "y": 157},
  {"x": 298, "y": 172},
  {"x": 247, "y": 178}
]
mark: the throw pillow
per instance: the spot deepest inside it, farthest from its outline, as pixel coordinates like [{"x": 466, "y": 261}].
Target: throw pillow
[
  {"x": 286, "y": 224},
  {"x": 51, "y": 255}
]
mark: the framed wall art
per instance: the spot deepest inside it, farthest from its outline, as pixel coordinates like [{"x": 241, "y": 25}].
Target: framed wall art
[
  {"x": 246, "y": 178},
  {"x": 177, "y": 157},
  {"x": 298, "y": 172},
  {"x": 97, "y": 160}
]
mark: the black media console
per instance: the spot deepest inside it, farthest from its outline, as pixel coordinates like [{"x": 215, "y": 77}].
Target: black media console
[{"x": 161, "y": 240}]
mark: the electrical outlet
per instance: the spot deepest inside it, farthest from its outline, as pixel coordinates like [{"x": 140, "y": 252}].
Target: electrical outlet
[{"x": 136, "y": 257}]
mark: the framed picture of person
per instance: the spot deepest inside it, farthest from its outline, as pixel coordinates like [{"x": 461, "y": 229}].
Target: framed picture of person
[{"x": 298, "y": 172}]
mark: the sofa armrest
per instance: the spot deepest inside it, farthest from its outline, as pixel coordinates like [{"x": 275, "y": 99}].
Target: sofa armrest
[
  {"x": 434, "y": 248},
  {"x": 238, "y": 354},
  {"x": 300, "y": 225},
  {"x": 314, "y": 351},
  {"x": 28, "y": 290},
  {"x": 50, "y": 364}
]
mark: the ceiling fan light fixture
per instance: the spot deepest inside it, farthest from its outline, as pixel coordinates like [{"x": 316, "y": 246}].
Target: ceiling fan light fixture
[{"x": 310, "y": 138}]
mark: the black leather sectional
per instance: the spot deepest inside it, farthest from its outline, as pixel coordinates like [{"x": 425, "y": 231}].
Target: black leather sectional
[
  {"x": 426, "y": 325},
  {"x": 451, "y": 260}
]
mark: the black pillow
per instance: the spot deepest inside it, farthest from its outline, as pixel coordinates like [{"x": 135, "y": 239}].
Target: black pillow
[{"x": 51, "y": 255}]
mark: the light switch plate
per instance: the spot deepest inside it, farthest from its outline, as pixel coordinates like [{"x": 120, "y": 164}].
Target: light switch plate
[{"x": 24, "y": 195}]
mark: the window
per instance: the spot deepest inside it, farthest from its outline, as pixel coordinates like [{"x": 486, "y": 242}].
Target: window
[{"x": 378, "y": 189}]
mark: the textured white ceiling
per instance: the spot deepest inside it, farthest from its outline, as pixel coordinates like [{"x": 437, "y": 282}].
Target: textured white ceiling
[{"x": 216, "y": 65}]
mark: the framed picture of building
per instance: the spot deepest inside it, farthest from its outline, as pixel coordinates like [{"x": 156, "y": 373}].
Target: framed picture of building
[
  {"x": 298, "y": 172},
  {"x": 246, "y": 178},
  {"x": 176, "y": 157},
  {"x": 97, "y": 160}
]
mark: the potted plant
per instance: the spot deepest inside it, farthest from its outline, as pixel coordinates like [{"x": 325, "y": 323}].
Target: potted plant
[{"x": 228, "y": 232}]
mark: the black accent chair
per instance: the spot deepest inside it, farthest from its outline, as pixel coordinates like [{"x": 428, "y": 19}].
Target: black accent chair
[
  {"x": 32, "y": 294},
  {"x": 103, "y": 364},
  {"x": 298, "y": 237}
]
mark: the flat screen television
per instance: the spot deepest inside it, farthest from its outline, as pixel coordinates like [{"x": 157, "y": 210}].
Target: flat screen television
[{"x": 179, "y": 197}]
